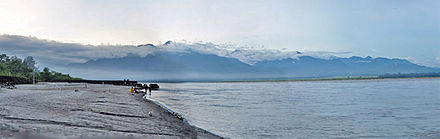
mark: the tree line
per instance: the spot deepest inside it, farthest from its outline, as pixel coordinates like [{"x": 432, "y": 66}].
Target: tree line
[{"x": 26, "y": 68}]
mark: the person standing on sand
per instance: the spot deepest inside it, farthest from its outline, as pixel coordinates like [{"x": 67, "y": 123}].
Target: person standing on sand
[
  {"x": 149, "y": 91},
  {"x": 145, "y": 86}
]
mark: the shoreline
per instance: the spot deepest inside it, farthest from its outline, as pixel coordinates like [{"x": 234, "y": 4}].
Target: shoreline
[
  {"x": 177, "y": 115},
  {"x": 304, "y": 80}
]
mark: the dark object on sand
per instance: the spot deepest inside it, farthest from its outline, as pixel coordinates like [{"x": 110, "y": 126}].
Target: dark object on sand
[
  {"x": 177, "y": 115},
  {"x": 154, "y": 86},
  {"x": 139, "y": 85},
  {"x": 9, "y": 85}
]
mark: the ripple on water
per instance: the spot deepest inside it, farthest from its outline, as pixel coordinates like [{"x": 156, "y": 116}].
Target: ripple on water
[
  {"x": 225, "y": 106},
  {"x": 324, "y": 109}
]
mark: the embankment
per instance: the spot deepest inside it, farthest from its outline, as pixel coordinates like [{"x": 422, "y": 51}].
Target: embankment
[{"x": 113, "y": 82}]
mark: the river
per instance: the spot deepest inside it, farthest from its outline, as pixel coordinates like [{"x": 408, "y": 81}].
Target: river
[{"x": 394, "y": 108}]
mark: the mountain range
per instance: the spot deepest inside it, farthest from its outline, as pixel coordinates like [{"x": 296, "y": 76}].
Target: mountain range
[{"x": 192, "y": 65}]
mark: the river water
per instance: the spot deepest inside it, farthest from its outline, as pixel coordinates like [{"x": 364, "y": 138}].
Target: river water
[{"x": 401, "y": 108}]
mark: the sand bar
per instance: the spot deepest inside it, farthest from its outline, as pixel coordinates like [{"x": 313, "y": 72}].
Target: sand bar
[{"x": 74, "y": 110}]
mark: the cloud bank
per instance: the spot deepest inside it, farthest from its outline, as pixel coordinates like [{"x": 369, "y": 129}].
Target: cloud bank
[{"x": 58, "y": 53}]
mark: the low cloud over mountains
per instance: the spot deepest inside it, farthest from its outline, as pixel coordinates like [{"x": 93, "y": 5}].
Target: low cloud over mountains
[
  {"x": 53, "y": 52},
  {"x": 196, "y": 61}
]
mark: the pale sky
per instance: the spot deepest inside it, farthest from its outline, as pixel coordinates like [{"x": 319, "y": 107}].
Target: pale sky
[{"x": 388, "y": 28}]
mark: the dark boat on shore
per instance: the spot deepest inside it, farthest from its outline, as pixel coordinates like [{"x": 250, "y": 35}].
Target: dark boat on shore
[{"x": 154, "y": 86}]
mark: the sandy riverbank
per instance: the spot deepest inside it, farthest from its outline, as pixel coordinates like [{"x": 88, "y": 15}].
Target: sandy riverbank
[{"x": 57, "y": 110}]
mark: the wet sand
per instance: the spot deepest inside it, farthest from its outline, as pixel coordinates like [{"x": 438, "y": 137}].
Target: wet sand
[{"x": 74, "y": 110}]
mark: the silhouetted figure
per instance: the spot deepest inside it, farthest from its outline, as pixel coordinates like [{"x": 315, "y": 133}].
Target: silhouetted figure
[{"x": 149, "y": 91}]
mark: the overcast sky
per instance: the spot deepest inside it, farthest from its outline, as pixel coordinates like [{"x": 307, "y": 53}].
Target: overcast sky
[{"x": 387, "y": 28}]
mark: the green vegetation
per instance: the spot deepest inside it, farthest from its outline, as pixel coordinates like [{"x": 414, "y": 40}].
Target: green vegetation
[{"x": 14, "y": 66}]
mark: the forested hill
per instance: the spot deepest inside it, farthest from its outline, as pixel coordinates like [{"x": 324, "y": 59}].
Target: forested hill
[{"x": 26, "y": 68}]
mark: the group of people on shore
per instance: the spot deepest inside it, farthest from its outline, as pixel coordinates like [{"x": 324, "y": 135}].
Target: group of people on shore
[
  {"x": 143, "y": 87},
  {"x": 126, "y": 81}
]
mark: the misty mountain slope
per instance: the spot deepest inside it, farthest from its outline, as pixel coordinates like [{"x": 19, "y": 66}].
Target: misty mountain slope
[
  {"x": 164, "y": 62},
  {"x": 308, "y": 66},
  {"x": 305, "y": 66},
  {"x": 194, "y": 65}
]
